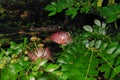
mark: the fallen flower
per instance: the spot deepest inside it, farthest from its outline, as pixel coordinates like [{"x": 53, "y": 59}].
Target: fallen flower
[{"x": 61, "y": 37}]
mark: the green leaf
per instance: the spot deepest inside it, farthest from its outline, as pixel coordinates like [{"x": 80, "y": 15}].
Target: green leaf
[
  {"x": 103, "y": 46},
  {"x": 44, "y": 61},
  {"x": 103, "y": 25},
  {"x": 58, "y": 72},
  {"x": 52, "y": 13},
  {"x": 3, "y": 75},
  {"x": 111, "y": 18},
  {"x": 66, "y": 67},
  {"x": 74, "y": 14},
  {"x": 31, "y": 78},
  {"x": 92, "y": 43},
  {"x": 88, "y": 28},
  {"x": 15, "y": 68},
  {"x": 97, "y": 22},
  {"x": 117, "y": 52},
  {"x": 104, "y": 67},
  {"x": 112, "y": 48},
  {"x": 71, "y": 11},
  {"x": 23, "y": 62},
  {"x": 59, "y": 9},
  {"x": 54, "y": 3},
  {"x": 50, "y": 8},
  {"x": 36, "y": 68},
  {"x": 65, "y": 76},
  {"x": 51, "y": 67},
  {"x": 111, "y": 12},
  {"x": 61, "y": 60},
  {"x": 98, "y": 43}
]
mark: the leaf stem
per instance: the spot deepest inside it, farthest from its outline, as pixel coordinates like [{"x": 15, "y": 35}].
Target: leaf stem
[
  {"x": 88, "y": 69},
  {"x": 108, "y": 63}
]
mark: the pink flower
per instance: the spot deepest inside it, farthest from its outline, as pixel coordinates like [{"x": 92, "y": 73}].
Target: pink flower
[
  {"x": 40, "y": 53},
  {"x": 61, "y": 37},
  {"x": 32, "y": 57}
]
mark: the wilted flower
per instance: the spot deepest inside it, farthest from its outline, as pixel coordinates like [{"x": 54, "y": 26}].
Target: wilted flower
[
  {"x": 61, "y": 37},
  {"x": 40, "y": 45},
  {"x": 40, "y": 53},
  {"x": 33, "y": 38}
]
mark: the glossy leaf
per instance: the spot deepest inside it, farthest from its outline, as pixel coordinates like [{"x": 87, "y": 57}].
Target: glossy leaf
[
  {"x": 97, "y": 22},
  {"x": 50, "y": 8},
  {"x": 104, "y": 25},
  {"x": 98, "y": 44},
  {"x": 112, "y": 48},
  {"x": 92, "y": 43},
  {"x": 103, "y": 46},
  {"x": 51, "y": 67},
  {"x": 88, "y": 28},
  {"x": 52, "y": 13}
]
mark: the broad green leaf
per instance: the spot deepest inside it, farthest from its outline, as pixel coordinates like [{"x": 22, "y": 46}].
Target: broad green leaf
[
  {"x": 54, "y": 3},
  {"x": 105, "y": 12},
  {"x": 97, "y": 22},
  {"x": 117, "y": 68},
  {"x": 104, "y": 67},
  {"x": 93, "y": 72},
  {"x": 5, "y": 71},
  {"x": 103, "y": 25},
  {"x": 112, "y": 18},
  {"x": 98, "y": 43},
  {"x": 50, "y": 8},
  {"x": 14, "y": 77},
  {"x": 108, "y": 73},
  {"x": 58, "y": 73},
  {"x": 59, "y": 9},
  {"x": 117, "y": 52},
  {"x": 111, "y": 12},
  {"x": 44, "y": 61},
  {"x": 36, "y": 68},
  {"x": 66, "y": 67},
  {"x": 112, "y": 48},
  {"x": 23, "y": 63},
  {"x": 74, "y": 14},
  {"x": 92, "y": 43},
  {"x": 62, "y": 60},
  {"x": 15, "y": 68},
  {"x": 65, "y": 76},
  {"x": 103, "y": 46},
  {"x": 51, "y": 67},
  {"x": 103, "y": 32},
  {"x": 52, "y": 13},
  {"x": 88, "y": 28}
]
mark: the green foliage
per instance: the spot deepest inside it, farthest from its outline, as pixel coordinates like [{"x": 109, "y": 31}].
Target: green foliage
[
  {"x": 72, "y": 7},
  {"x": 15, "y": 64},
  {"x": 111, "y": 12},
  {"x": 90, "y": 53}
]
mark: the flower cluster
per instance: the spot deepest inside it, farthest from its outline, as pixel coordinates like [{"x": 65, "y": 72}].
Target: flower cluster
[
  {"x": 40, "y": 53},
  {"x": 61, "y": 38}
]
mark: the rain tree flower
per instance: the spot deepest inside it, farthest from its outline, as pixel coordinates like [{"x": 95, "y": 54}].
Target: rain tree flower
[
  {"x": 61, "y": 37},
  {"x": 40, "y": 53}
]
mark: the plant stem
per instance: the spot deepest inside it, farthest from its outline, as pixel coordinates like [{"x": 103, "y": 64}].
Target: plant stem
[
  {"x": 108, "y": 63},
  {"x": 88, "y": 69}
]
